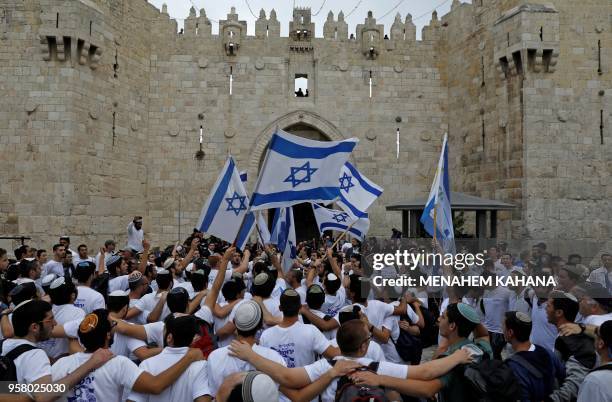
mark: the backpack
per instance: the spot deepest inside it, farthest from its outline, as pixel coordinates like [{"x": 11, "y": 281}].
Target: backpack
[
  {"x": 347, "y": 391},
  {"x": 492, "y": 380},
  {"x": 409, "y": 347},
  {"x": 429, "y": 333},
  {"x": 8, "y": 370},
  {"x": 208, "y": 341}
]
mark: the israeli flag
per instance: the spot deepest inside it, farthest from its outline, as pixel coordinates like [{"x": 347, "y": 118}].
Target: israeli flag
[
  {"x": 226, "y": 207},
  {"x": 331, "y": 219},
  {"x": 357, "y": 192},
  {"x": 439, "y": 205},
  {"x": 283, "y": 235},
  {"x": 263, "y": 232},
  {"x": 298, "y": 170},
  {"x": 249, "y": 222}
]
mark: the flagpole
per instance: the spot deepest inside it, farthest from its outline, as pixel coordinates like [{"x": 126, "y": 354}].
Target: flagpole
[
  {"x": 342, "y": 235},
  {"x": 435, "y": 220}
]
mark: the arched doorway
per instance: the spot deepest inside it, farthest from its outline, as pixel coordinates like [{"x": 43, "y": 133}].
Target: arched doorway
[{"x": 305, "y": 222}]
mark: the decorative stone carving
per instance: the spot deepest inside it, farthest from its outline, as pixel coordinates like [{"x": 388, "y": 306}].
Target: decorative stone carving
[
  {"x": 229, "y": 133},
  {"x": 31, "y": 106},
  {"x": 259, "y": 64},
  {"x": 202, "y": 62},
  {"x": 371, "y": 134}
]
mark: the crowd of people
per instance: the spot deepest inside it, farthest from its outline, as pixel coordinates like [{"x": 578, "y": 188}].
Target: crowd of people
[{"x": 201, "y": 320}]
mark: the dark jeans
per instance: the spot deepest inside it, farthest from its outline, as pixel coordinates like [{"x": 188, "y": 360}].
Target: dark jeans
[{"x": 497, "y": 344}]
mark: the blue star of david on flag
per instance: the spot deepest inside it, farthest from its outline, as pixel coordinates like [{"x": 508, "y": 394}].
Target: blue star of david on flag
[
  {"x": 346, "y": 182},
  {"x": 340, "y": 217},
  {"x": 295, "y": 180},
  {"x": 241, "y": 206}
]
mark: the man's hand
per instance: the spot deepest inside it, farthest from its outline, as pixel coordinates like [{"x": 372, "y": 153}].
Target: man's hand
[
  {"x": 343, "y": 367},
  {"x": 241, "y": 350},
  {"x": 569, "y": 329},
  {"x": 365, "y": 378},
  {"x": 404, "y": 325},
  {"x": 100, "y": 357},
  {"x": 364, "y": 319},
  {"x": 146, "y": 244},
  {"x": 194, "y": 243},
  {"x": 195, "y": 354},
  {"x": 228, "y": 253},
  {"x": 330, "y": 253},
  {"x": 463, "y": 356}
]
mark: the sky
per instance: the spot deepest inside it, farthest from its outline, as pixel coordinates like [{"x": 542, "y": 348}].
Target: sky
[{"x": 215, "y": 10}]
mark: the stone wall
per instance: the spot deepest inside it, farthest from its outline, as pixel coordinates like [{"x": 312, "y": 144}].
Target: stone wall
[{"x": 104, "y": 102}]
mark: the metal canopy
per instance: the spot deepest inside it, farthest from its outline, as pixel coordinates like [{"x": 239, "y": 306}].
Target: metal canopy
[{"x": 459, "y": 202}]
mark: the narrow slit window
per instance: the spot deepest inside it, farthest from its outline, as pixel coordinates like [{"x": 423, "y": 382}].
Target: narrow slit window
[
  {"x": 57, "y": 20},
  {"x": 90, "y": 27},
  {"x": 301, "y": 86},
  {"x": 370, "y": 83},
  {"x": 231, "y": 83}
]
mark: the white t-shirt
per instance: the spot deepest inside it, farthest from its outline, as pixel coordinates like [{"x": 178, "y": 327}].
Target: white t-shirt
[
  {"x": 135, "y": 237},
  {"x": 279, "y": 288},
  {"x": 331, "y": 334},
  {"x": 107, "y": 383},
  {"x": 496, "y": 303},
  {"x": 518, "y": 303},
  {"x": 298, "y": 344},
  {"x": 88, "y": 299},
  {"x": 333, "y": 303},
  {"x": 52, "y": 267},
  {"x": 118, "y": 283},
  {"x": 375, "y": 352},
  {"x": 192, "y": 384},
  {"x": 125, "y": 346},
  {"x": 155, "y": 333},
  {"x": 141, "y": 318},
  {"x": 221, "y": 365},
  {"x": 148, "y": 303},
  {"x": 220, "y": 323},
  {"x": 320, "y": 367},
  {"x": 32, "y": 365},
  {"x": 63, "y": 314},
  {"x": 213, "y": 274},
  {"x": 273, "y": 306},
  {"x": 597, "y": 320}
]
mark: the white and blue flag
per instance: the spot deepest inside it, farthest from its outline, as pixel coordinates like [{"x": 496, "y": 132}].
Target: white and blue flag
[
  {"x": 439, "y": 205},
  {"x": 298, "y": 170},
  {"x": 357, "y": 192},
  {"x": 226, "y": 207},
  {"x": 263, "y": 232},
  {"x": 331, "y": 219},
  {"x": 283, "y": 235}
]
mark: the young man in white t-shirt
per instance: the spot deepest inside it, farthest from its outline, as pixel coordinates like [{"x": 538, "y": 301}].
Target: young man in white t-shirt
[
  {"x": 248, "y": 320},
  {"x": 116, "y": 377},
  {"x": 33, "y": 322},
  {"x": 299, "y": 344},
  {"x": 62, "y": 294},
  {"x": 87, "y": 299},
  {"x": 192, "y": 385},
  {"x": 353, "y": 339},
  {"x": 55, "y": 265}
]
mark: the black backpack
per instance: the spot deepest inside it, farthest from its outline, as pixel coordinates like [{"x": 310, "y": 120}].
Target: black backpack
[
  {"x": 409, "y": 347},
  {"x": 429, "y": 333},
  {"x": 492, "y": 380},
  {"x": 347, "y": 391},
  {"x": 8, "y": 370}
]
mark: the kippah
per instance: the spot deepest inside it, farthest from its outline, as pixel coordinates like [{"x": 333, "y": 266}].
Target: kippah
[
  {"x": 247, "y": 316},
  {"x": 178, "y": 289},
  {"x": 315, "y": 289},
  {"x": 189, "y": 267},
  {"x": 162, "y": 271},
  {"x": 135, "y": 276},
  {"x": 331, "y": 277},
  {"x": 112, "y": 260},
  {"x": 58, "y": 282},
  {"x": 563, "y": 295},
  {"x": 199, "y": 272},
  {"x": 89, "y": 323},
  {"x": 48, "y": 279},
  {"x": 260, "y": 279},
  {"x": 522, "y": 317},
  {"x": 291, "y": 293},
  {"x": 119, "y": 293},
  {"x": 168, "y": 263},
  {"x": 468, "y": 313}
]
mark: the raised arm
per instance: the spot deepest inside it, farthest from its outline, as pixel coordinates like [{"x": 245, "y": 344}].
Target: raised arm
[
  {"x": 224, "y": 311},
  {"x": 195, "y": 303},
  {"x": 244, "y": 263},
  {"x": 192, "y": 249},
  {"x": 323, "y": 325},
  {"x": 213, "y": 294},
  {"x": 144, "y": 257},
  {"x": 334, "y": 263}
]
